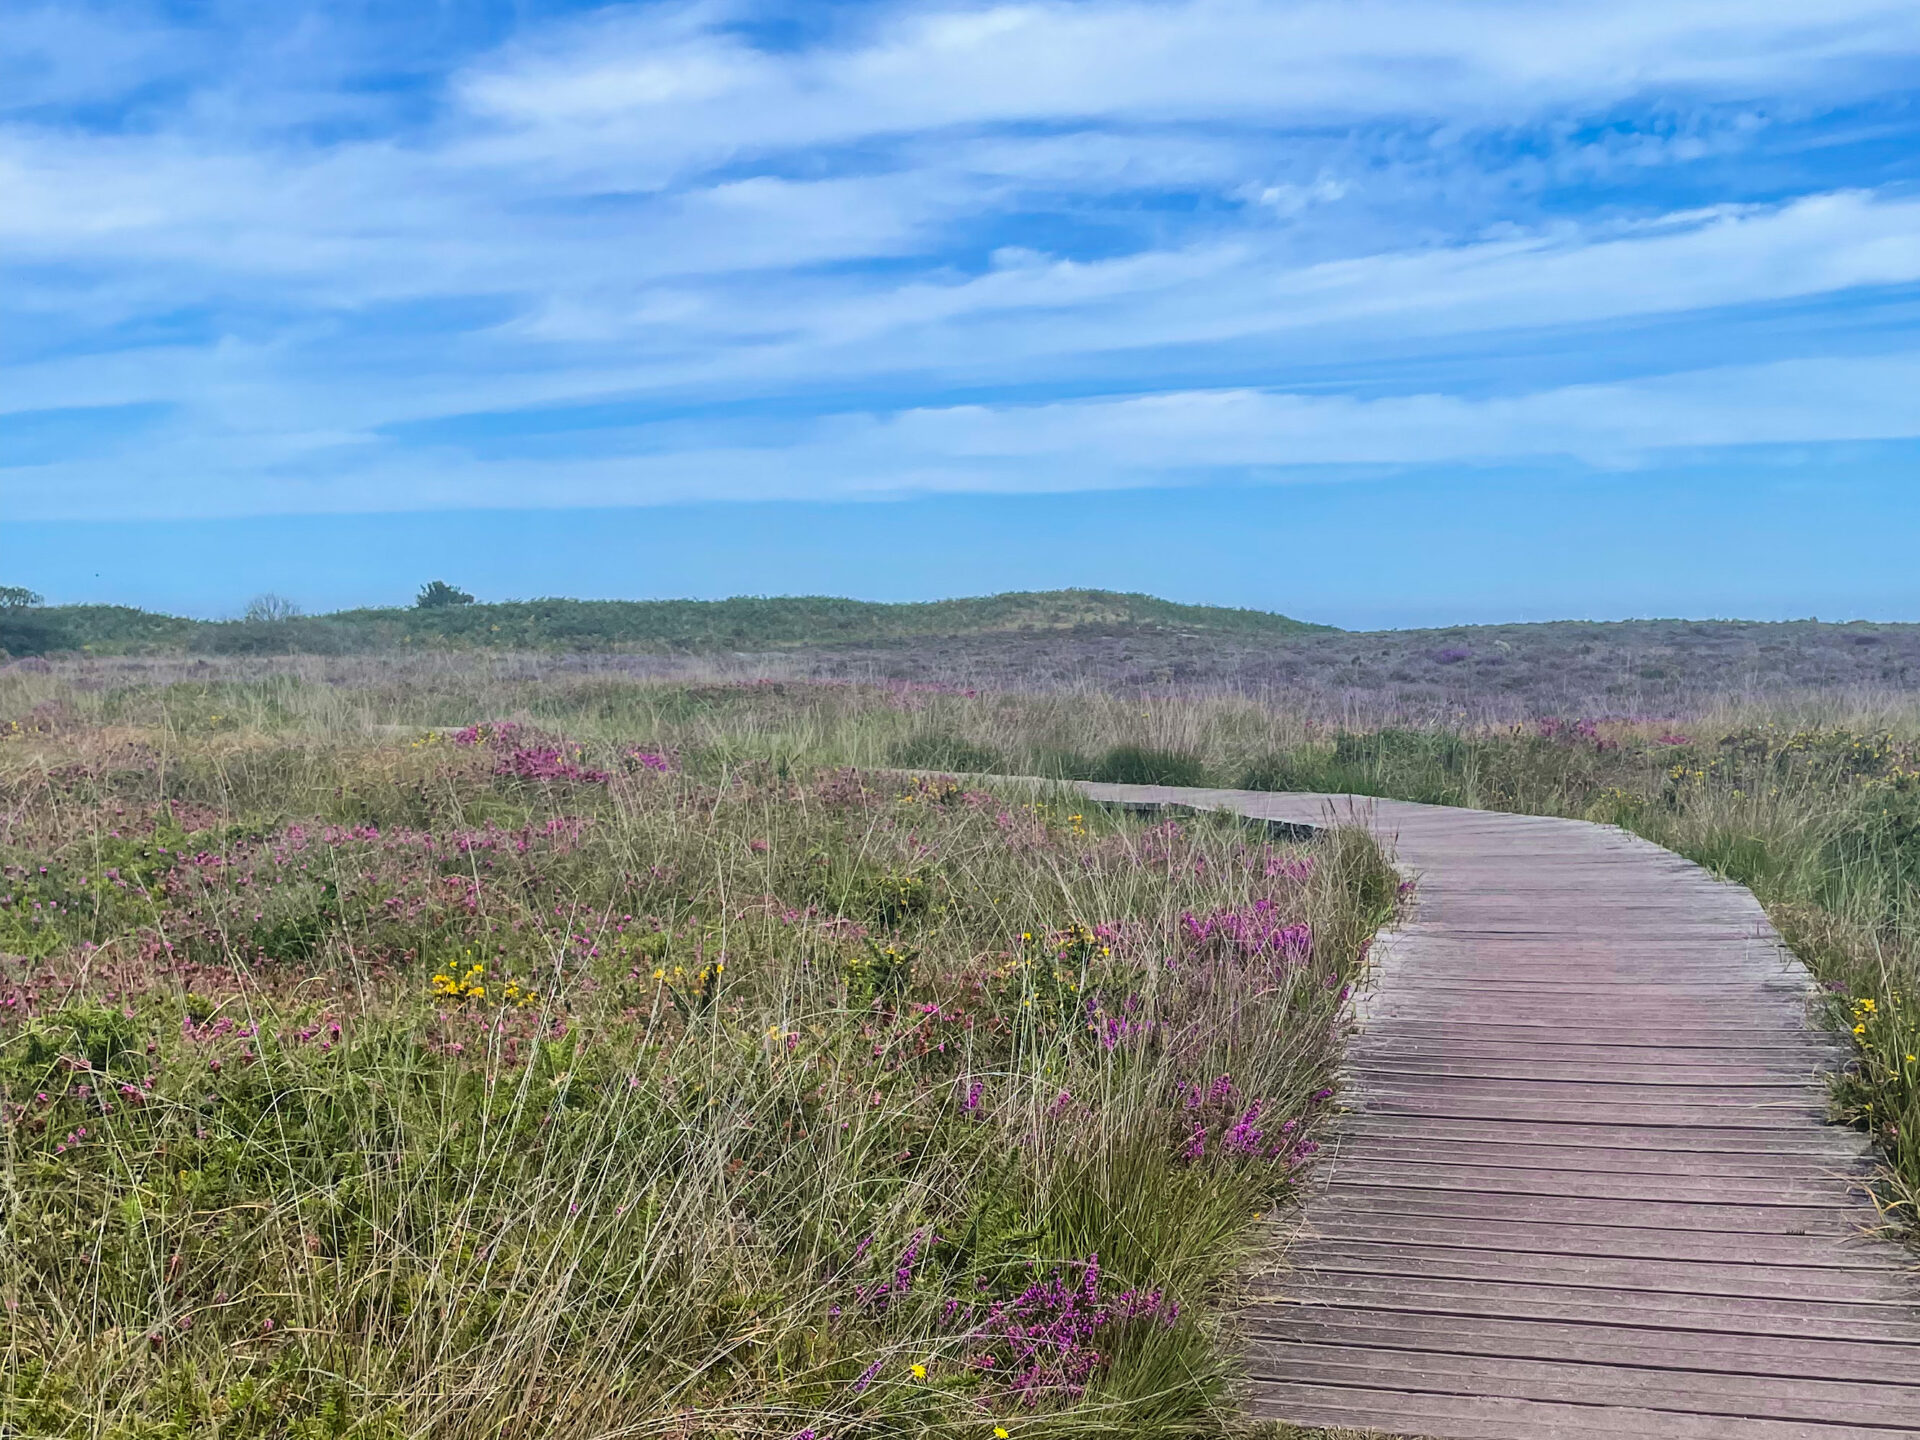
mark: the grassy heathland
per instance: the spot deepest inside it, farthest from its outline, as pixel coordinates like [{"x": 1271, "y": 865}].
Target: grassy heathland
[
  {"x": 743, "y": 623},
  {"x": 389, "y": 1189},
  {"x": 371, "y": 1072},
  {"x": 1817, "y": 808}
]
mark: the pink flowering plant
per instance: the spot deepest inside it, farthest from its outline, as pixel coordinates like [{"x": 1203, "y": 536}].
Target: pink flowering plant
[{"x": 483, "y": 1081}]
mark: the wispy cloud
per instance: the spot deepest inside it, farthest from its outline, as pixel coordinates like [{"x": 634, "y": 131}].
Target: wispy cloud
[
  {"x": 1175, "y": 437},
  {"x": 340, "y": 258}
]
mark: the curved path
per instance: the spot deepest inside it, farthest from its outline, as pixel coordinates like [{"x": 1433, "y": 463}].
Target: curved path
[{"x": 1583, "y": 1186}]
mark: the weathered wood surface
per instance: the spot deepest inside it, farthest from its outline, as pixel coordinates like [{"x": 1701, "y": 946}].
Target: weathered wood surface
[{"x": 1582, "y": 1186}]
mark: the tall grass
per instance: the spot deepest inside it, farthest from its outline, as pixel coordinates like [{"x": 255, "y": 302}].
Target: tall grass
[
  {"x": 1812, "y": 800},
  {"x": 651, "y": 1077}
]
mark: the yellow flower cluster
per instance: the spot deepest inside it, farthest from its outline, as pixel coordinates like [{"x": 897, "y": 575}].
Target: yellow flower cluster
[
  {"x": 471, "y": 984},
  {"x": 934, "y": 792},
  {"x": 1079, "y": 936},
  {"x": 677, "y": 974},
  {"x": 457, "y": 986}
]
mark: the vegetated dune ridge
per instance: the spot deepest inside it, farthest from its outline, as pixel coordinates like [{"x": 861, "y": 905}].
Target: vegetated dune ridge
[
  {"x": 1073, "y": 638},
  {"x": 743, "y": 622}
]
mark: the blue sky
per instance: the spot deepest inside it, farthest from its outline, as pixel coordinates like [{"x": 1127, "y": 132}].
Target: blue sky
[{"x": 1379, "y": 312}]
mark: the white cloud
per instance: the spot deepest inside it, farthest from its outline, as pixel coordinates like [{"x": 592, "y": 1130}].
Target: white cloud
[
  {"x": 643, "y": 206},
  {"x": 722, "y": 331},
  {"x": 692, "y": 90},
  {"x": 1161, "y": 439}
]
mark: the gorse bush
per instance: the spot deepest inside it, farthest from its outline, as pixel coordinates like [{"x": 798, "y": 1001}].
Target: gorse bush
[{"x": 481, "y": 1081}]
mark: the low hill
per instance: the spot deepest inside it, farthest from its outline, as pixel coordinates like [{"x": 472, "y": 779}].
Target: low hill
[{"x": 755, "y": 623}]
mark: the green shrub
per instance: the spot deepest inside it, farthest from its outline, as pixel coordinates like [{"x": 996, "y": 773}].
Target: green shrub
[
  {"x": 26, "y": 630},
  {"x": 1056, "y": 763},
  {"x": 941, "y": 750},
  {"x": 1145, "y": 765},
  {"x": 1309, "y": 769}
]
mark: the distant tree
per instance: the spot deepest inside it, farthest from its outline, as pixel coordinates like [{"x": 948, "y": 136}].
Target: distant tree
[
  {"x": 438, "y": 594},
  {"x": 270, "y": 607},
  {"x": 24, "y": 628}
]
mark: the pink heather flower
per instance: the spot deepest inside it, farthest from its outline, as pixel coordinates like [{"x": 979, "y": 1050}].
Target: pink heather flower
[
  {"x": 903, "y": 1273},
  {"x": 1243, "y": 1138},
  {"x": 545, "y": 762},
  {"x": 1197, "y": 1146}
]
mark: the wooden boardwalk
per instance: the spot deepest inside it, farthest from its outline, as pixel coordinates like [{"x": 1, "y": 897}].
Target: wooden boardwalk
[{"x": 1583, "y": 1186}]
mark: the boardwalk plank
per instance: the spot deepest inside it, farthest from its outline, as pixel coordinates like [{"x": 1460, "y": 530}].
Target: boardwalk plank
[
  {"x": 1540, "y": 1240},
  {"x": 1469, "y": 1417},
  {"x": 1410, "y": 1176},
  {"x": 1356, "y": 1197},
  {"x": 1803, "y": 1141},
  {"x": 1648, "y": 1274},
  {"x": 1766, "y": 1397},
  {"x": 1613, "y": 1344},
  {"x": 1514, "y": 1159},
  {"x": 1598, "y": 1305}
]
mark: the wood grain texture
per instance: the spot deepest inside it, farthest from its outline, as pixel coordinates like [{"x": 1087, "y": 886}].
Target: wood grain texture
[{"x": 1581, "y": 1185}]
